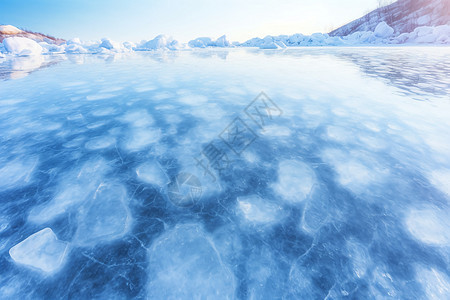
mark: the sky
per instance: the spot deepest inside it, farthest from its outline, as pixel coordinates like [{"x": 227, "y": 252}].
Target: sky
[{"x": 136, "y": 20}]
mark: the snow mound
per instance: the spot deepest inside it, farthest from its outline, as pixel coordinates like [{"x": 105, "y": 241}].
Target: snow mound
[
  {"x": 22, "y": 46},
  {"x": 184, "y": 264},
  {"x": 42, "y": 251},
  {"x": 9, "y": 29},
  {"x": 110, "y": 44},
  {"x": 160, "y": 42},
  {"x": 204, "y": 42},
  {"x": 383, "y": 30}
]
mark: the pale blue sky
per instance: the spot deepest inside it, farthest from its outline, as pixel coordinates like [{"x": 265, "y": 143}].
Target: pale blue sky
[{"x": 135, "y": 20}]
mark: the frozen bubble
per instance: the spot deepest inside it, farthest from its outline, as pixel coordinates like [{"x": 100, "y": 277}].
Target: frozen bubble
[
  {"x": 75, "y": 117},
  {"x": 105, "y": 217},
  {"x": 100, "y": 143},
  {"x": 141, "y": 138},
  {"x": 147, "y": 88},
  {"x": 339, "y": 134},
  {"x": 100, "y": 96},
  {"x": 184, "y": 264},
  {"x": 382, "y": 284},
  {"x": 356, "y": 171},
  {"x": 96, "y": 124},
  {"x": 152, "y": 173},
  {"x": 42, "y": 251},
  {"x": 139, "y": 118},
  {"x": 258, "y": 211},
  {"x": 295, "y": 181},
  {"x": 3, "y": 224},
  {"x": 429, "y": 225},
  {"x": 193, "y": 100},
  {"x": 276, "y": 131},
  {"x": 17, "y": 173},
  {"x": 104, "y": 112}
]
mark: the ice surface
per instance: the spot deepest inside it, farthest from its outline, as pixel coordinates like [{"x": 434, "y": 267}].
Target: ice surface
[
  {"x": 184, "y": 263},
  {"x": 435, "y": 284},
  {"x": 42, "y": 251},
  {"x": 295, "y": 181},
  {"x": 343, "y": 196}
]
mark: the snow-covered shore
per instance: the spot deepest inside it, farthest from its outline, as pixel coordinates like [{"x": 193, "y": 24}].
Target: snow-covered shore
[{"x": 382, "y": 35}]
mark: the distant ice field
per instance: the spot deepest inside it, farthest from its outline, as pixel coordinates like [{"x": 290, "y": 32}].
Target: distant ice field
[{"x": 318, "y": 173}]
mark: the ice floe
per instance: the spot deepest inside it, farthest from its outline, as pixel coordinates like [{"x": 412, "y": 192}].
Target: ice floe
[{"x": 41, "y": 251}]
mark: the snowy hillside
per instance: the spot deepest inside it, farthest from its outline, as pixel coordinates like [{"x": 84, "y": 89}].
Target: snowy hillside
[
  {"x": 12, "y": 31},
  {"x": 402, "y": 16}
]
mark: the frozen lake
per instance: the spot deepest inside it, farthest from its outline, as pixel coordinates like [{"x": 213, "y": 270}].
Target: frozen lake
[{"x": 307, "y": 173}]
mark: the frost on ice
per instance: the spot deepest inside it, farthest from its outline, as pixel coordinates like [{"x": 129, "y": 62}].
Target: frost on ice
[
  {"x": 184, "y": 263},
  {"x": 42, "y": 251},
  {"x": 17, "y": 173}
]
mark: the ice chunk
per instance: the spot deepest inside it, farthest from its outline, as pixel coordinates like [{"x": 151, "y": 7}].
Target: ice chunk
[
  {"x": 295, "y": 181},
  {"x": 383, "y": 30},
  {"x": 22, "y": 46},
  {"x": 435, "y": 284},
  {"x": 17, "y": 173},
  {"x": 110, "y": 44},
  {"x": 42, "y": 251},
  {"x": 429, "y": 225},
  {"x": 100, "y": 143},
  {"x": 106, "y": 217},
  {"x": 184, "y": 264},
  {"x": 152, "y": 173},
  {"x": 160, "y": 42},
  {"x": 258, "y": 211}
]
